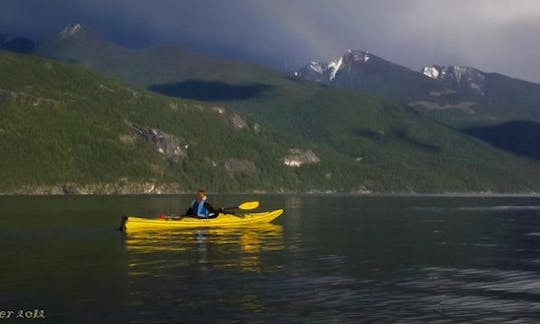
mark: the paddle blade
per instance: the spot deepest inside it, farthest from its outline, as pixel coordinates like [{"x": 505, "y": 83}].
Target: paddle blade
[{"x": 249, "y": 205}]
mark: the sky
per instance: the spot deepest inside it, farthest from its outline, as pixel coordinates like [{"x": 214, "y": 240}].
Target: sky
[{"x": 492, "y": 35}]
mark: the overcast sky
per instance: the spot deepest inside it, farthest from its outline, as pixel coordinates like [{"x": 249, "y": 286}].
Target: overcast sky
[{"x": 493, "y": 35}]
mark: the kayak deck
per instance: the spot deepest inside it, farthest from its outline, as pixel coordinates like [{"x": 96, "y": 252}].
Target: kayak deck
[{"x": 222, "y": 220}]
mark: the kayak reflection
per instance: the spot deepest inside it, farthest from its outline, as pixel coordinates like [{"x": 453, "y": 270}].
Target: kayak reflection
[{"x": 202, "y": 248}]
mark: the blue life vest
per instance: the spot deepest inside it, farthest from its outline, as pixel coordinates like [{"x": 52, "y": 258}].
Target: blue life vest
[{"x": 198, "y": 207}]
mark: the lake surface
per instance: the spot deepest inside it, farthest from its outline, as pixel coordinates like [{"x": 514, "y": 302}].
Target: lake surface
[{"x": 328, "y": 259}]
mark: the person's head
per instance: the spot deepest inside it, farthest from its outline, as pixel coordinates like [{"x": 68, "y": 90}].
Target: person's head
[{"x": 201, "y": 195}]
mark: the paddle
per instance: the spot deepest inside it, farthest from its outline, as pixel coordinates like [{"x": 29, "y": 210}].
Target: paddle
[{"x": 248, "y": 205}]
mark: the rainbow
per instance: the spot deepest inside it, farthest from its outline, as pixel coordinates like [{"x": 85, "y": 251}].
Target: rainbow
[{"x": 298, "y": 21}]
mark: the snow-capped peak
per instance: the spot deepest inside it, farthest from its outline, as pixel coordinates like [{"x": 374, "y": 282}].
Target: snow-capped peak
[
  {"x": 329, "y": 71},
  {"x": 70, "y": 31},
  {"x": 351, "y": 56},
  {"x": 463, "y": 77}
]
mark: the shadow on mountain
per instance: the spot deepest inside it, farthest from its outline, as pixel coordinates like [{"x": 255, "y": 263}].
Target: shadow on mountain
[
  {"x": 210, "y": 90},
  {"x": 519, "y": 137},
  {"x": 18, "y": 45},
  {"x": 398, "y": 134},
  {"x": 366, "y": 133},
  {"x": 403, "y": 136}
]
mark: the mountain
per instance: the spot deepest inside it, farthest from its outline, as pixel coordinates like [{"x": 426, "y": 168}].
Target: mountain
[
  {"x": 312, "y": 137},
  {"x": 147, "y": 67},
  {"x": 361, "y": 70},
  {"x": 67, "y": 44},
  {"x": 65, "y": 129},
  {"x": 460, "y": 96},
  {"x": 498, "y": 97}
]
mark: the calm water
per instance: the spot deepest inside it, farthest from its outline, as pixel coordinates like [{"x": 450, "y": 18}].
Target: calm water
[{"x": 328, "y": 259}]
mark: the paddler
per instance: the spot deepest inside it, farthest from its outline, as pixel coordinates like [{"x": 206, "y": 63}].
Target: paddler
[{"x": 201, "y": 208}]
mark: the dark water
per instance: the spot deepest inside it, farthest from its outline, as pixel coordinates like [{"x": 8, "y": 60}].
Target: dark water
[{"x": 328, "y": 259}]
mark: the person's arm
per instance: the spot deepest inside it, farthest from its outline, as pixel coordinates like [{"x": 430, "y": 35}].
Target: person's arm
[
  {"x": 211, "y": 209},
  {"x": 188, "y": 212}
]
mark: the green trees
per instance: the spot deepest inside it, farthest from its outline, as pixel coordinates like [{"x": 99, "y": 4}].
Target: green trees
[{"x": 64, "y": 126}]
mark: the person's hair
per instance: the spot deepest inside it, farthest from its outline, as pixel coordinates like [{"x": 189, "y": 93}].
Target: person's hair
[{"x": 201, "y": 191}]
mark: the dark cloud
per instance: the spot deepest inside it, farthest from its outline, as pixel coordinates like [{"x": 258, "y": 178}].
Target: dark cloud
[{"x": 493, "y": 35}]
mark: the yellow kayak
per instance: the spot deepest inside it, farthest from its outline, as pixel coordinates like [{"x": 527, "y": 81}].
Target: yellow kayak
[{"x": 223, "y": 220}]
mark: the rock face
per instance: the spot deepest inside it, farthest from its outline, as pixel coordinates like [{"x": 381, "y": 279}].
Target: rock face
[
  {"x": 238, "y": 122},
  {"x": 120, "y": 187},
  {"x": 234, "y": 119},
  {"x": 236, "y": 166},
  {"x": 164, "y": 143},
  {"x": 297, "y": 158},
  {"x": 465, "y": 106}
]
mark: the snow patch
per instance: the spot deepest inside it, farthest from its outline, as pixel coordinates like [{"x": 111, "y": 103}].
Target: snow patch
[
  {"x": 334, "y": 67},
  {"x": 458, "y": 73},
  {"x": 70, "y": 31},
  {"x": 362, "y": 56},
  {"x": 476, "y": 87},
  {"x": 316, "y": 66},
  {"x": 431, "y": 72}
]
